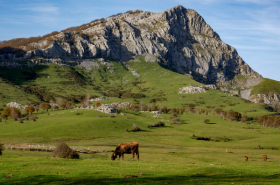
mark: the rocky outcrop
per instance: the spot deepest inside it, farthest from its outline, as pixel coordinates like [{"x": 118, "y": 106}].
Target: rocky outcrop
[
  {"x": 192, "y": 90},
  {"x": 178, "y": 38},
  {"x": 265, "y": 98},
  {"x": 120, "y": 105},
  {"x": 105, "y": 108},
  {"x": 99, "y": 99},
  {"x": 16, "y": 105}
]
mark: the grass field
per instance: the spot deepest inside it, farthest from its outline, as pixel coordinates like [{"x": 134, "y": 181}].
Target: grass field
[{"x": 168, "y": 155}]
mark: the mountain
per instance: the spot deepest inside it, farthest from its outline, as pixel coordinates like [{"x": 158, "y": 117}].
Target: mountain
[{"x": 178, "y": 39}]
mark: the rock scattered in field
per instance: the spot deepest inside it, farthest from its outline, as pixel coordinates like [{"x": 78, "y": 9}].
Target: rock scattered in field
[
  {"x": 120, "y": 105},
  {"x": 99, "y": 99},
  {"x": 192, "y": 90},
  {"x": 105, "y": 108},
  {"x": 16, "y": 105}
]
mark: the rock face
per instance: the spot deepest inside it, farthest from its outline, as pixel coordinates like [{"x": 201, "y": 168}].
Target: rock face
[
  {"x": 178, "y": 38},
  {"x": 192, "y": 90},
  {"x": 107, "y": 109},
  {"x": 99, "y": 99},
  {"x": 265, "y": 98},
  {"x": 121, "y": 105},
  {"x": 16, "y": 105}
]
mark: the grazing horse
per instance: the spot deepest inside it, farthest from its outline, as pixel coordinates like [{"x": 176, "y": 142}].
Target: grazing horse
[
  {"x": 246, "y": 158},
  {"x": 264, "y": 157},
  {"x": 126, "y": 148}
]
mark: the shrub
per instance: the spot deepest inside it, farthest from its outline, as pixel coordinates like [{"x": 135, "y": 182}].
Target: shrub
[
  {"x": 15, "y": 117},
  {"x": 64, "y": 151},
  {"x": 158, "y": 124},
  {"x": 111, "y": 116},
  {"x": 33, "y": 118},
  {"x": 206, "y": 121},
  {"x": 47, "y": 106},
  {"x": 63, "y": 106},
  {"x": 135, "y": 128},
  {"x": 15, "y": 113},
  {"x": 97, "y": 104},
  {"x": 6, "y": 112},
  {"x": 30, "y": 109}
]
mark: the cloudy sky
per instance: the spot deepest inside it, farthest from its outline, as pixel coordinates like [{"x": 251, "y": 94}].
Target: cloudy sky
[{"x": 251, "y": 26}]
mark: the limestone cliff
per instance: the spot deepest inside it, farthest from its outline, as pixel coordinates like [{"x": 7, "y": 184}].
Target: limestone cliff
[{"x": 178, "y": 38}]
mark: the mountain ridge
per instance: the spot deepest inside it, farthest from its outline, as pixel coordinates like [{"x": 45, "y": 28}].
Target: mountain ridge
[{"x": 179, "y": 38}]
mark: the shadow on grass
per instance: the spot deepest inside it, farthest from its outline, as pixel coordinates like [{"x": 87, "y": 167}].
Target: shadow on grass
[{"x": 192, "y": 179}]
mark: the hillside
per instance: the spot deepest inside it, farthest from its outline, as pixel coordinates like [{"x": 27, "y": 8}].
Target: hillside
[{"x": 178, "y": 38}]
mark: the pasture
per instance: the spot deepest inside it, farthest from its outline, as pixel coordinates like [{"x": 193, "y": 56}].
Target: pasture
[{"x": 168, "y": 155}]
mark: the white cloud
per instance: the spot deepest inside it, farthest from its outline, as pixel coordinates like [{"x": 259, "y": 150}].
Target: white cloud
[
  {"x": 257, "y": 1},
  {"x": 42, "y": 9}
]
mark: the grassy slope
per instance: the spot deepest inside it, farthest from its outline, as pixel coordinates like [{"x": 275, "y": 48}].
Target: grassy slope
[
  {"x": 266, "y": 87},
  {"x": 9, "y": 93},
  {"x": 167, "y": 155}
]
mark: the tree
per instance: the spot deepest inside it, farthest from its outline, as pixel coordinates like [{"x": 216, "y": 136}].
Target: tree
[
  {"x": 30, "y": 109},
  {"x": 47, "y": 106},
  {"x": 244, "y": 117},
  {"x": 59, "y": 101},
  {"x": 261, "y": 119},
  {"x": 41, "y": 107},
  {"x": 68, "y": 105},
  {"x": 276, "y": 122},
  {"x": 89, "y": 96},
  {"x": 15, "y": 112},
  {"x": 6, "y": 113},
  {"x": 52, "y": 103},
  {"x": 97, "y": 104},
  {"x": 63, "y": 106}
]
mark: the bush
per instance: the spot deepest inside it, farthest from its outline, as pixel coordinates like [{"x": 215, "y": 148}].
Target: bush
[
  {"x": 206, "y": 121},
  {"x": 6, "y": 112},
  {"x": 30, "y": 109},
  {"x": 33, "y": 118},
  {"x": 64, "y": 151},
  {"x": 135, "y": 128},
  {"x": 111, "y": 116},
  {"x": 15, "y": 117},
  {"x": 158, "y": 124}
]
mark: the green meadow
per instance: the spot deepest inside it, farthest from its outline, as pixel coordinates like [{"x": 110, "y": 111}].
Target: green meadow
[{"x": 168, "y": 155}]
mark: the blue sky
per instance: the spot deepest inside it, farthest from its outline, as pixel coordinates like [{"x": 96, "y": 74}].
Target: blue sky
[{"x": 251, "y": 26}]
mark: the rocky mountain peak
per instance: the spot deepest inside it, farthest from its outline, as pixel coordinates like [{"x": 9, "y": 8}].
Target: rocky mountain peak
[{"x": 178, "y": 38}]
